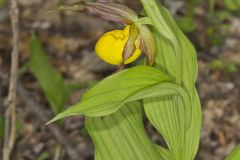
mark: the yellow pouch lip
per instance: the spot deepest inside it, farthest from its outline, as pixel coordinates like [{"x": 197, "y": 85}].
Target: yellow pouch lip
[{"x": 110, "y": 47}]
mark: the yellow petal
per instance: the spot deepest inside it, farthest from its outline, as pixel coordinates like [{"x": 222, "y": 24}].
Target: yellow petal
[{"x": 110, "y": 47}]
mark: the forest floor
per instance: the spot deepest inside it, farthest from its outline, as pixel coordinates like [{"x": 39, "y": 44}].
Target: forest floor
[{"x": 69, "y": 39}]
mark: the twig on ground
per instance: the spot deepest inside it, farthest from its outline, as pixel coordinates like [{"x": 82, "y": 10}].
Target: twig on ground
[
  {"x": 10, "y": 125},
  {"x": 58, "y": 133}
]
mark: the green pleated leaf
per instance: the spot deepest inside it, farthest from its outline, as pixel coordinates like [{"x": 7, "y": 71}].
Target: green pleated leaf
[
  {"x": 107, "y": 96},
  {"x": 235, "y": 154},
  {"x": 177, "y": 57},
  {"x": 164, "y": 153},
  {"x": 121, "y": 135}
]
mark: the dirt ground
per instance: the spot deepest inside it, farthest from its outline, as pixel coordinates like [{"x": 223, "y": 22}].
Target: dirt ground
[{"x": 69, "y": 39}]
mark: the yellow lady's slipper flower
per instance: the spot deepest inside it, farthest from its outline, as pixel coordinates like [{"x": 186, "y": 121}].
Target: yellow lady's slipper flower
[
  {"x": 110, "y": 47},
  {"x": 119, "y": 47}
]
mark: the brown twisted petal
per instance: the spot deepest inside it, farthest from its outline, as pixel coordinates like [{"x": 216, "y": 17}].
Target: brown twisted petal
[
  {"x": 148, "y": 45},
  {"x": 130, "y": 46},
  {"x": 113, "y": 12},
  {"x": 108, "y": 11}
]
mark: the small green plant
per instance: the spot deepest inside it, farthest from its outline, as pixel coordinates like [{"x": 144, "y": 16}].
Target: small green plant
[
  {"x": 164, "y": 89},
  {"x": 232, "y": 5},
  {"x": 224, "y": 65},
  {"x": 215, "y": 19},
  {"x": 2, "y": 3},
  {"x": 187, "y": 21},
  {"x": 218, "y": 25},
  {"x": 1, "y": 128},
  {"x": 51, "y": 81}
]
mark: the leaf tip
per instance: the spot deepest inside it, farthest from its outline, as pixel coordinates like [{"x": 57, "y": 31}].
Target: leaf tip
[{"x": 53, "y": 120}]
